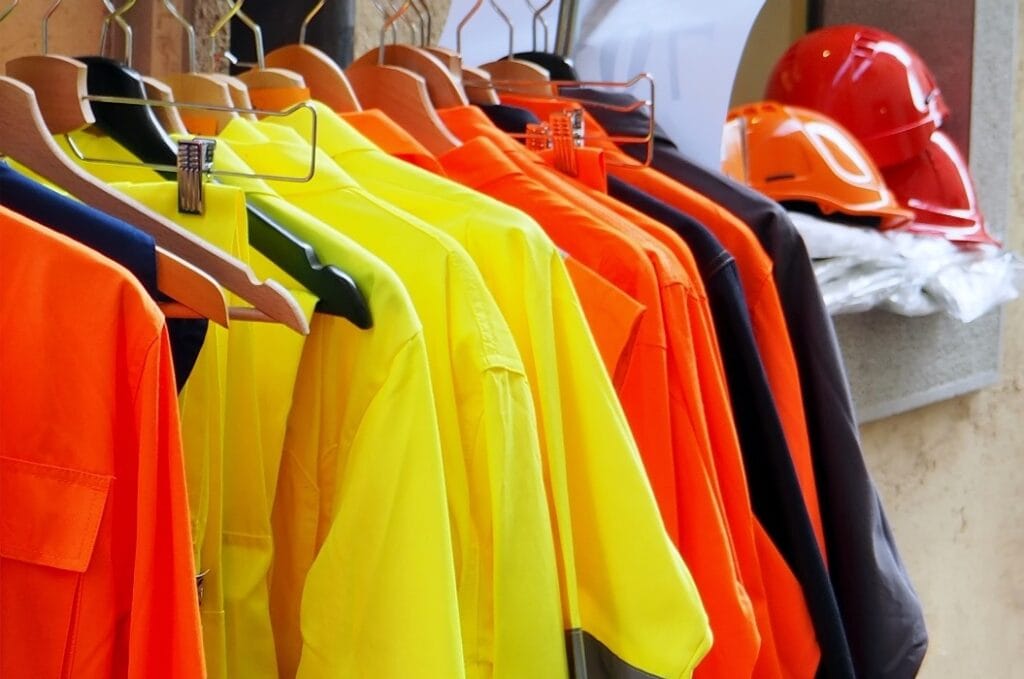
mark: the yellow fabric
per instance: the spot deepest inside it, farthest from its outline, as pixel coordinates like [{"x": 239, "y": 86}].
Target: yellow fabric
[
  {"x": 622, "y": 579},
  {"x": 237, "y": 553},
  {"x": 261, "y": 366},
  {"x": 504, "y": 549},
  {"x": 363, "y": 582},
  {"x": 358, "y": 494}
]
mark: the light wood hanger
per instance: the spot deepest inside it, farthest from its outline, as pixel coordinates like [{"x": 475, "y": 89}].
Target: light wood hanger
[
  {"x": 477, "y": 83},
  {"x": 404, "y": 97},
  {"x": 451, "y": 59},
  {"x": 324, "y": 78},
  {"x": 402, "y": 94},
  {"x": 169, "y": 118},
  {"x": 25, "y": 137},
  {"x": 193, "y": 289},
  {"x": 474, "y": 81},
  {"x": 206, "y": 89},
  {"x": 192, "y": 87},
  {"x": 443, "y": 89},
  {"x": 238, "y": 91},
  {"x": 64, "y": 80}
]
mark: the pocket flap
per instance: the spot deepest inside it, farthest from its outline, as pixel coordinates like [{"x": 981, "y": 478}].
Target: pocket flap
[{"x": 50, "y": 516}]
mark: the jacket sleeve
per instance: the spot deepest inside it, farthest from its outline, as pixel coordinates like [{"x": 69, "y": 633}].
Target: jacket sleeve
[
  {"x": 369, "y": 582},
  {"x": 164, "y": 638}
]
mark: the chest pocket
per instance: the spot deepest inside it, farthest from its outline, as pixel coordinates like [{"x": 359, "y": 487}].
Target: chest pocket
[{"x": 49, "y": 521}]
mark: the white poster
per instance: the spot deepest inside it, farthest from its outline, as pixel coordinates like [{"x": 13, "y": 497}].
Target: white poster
[{"x": 691, "y": 47}]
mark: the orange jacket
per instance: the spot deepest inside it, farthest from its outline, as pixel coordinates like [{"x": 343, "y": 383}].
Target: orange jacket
[
  {"x": 755, "y": 270},
  {"x": 789, "y": 646},
  {"x": 684, "y": 481},
  {"x": 96, "y": 570}
]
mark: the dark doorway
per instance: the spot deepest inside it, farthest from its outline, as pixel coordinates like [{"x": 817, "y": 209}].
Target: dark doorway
[{"x": 331, "y": 31}]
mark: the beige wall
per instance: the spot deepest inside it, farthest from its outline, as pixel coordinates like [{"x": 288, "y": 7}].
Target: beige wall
[
  {"x": 778, "y": 25},
  {"x": 952, "y": 476}
]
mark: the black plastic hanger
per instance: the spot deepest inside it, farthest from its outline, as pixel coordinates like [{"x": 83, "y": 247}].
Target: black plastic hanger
[{"x": 137, "y": 128}]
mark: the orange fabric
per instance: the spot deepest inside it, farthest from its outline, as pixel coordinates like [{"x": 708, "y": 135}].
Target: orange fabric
[
  {"x": 789, "y": 645},
  {"x": 392, "y": 138},
  {"x": 644, "y": 388},
  {"x": 198, "y": 123},
  {"x": 684, "y": 482},
  {"x": 96, "y": 571},
  {"x": 277, "y": 98},
  {"x": 755, "y": 270},
  {"x": 613, "y": 317}
]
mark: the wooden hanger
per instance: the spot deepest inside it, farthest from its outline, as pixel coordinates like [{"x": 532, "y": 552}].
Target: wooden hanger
[
  {"x": 324, "y": 78},
  {"x": 443, "y": 89},
  {"x": 238, "y": 91},
  {"x": 402, "y": 94},
  {"x": 206, "y": 89},
  {"x": 510, "y": 68},
  {"x": 194, "y": 290},
  {"x": 404, "y": 97},
  {"x": 169, "y": 118},
  {"x": 529, "y": 77},
  {"x": 24, "y": 136},
  {"x": 477, "y": 84},
  {"x": 451, "y": 59}
]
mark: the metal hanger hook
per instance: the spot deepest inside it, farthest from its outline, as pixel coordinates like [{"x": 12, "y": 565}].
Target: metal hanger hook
[
  {"x": 538, "y": 17},
  {"x": 190, "y": 33},
  {"x": 46, "y": 25},
  {"x": 465, "y": 20},
  {"x": 428, "y": 29},
  {"x": 5, "y": 13},
  {"x": 223, "y": 21},
  {"x": 511, "y": 28},
  {"x": 309, "y": 19},
  {"x": 418, "y": 27},
  {"x": 116, "y": 15},
  {"x": 389, "y": 22}
]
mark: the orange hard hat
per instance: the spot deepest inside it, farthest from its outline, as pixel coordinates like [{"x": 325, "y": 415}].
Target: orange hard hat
[
  {"x": 795, "y": 155},
  {"x": 869, "y": 81},
  {"x": 734, "y": 152},
  {"x": 937, "y": 185}
]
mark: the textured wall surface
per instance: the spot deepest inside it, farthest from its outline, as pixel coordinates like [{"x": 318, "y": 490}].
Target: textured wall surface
[
  {"x": 369, "y": 21},
  {"x": 952, "y": 475}
]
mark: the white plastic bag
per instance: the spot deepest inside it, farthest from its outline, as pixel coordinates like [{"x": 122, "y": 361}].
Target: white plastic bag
[{"x": 859, "y": 269}]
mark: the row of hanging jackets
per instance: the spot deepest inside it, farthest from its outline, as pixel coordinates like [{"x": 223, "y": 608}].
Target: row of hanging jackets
[{"x": 591, "y": 424}]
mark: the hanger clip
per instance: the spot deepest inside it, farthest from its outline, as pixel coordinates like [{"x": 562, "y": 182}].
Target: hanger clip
[
  {"x": 566, "y": 136},
  {"x": 538, "y": 136},
  {"x": 195, "y": 161}
]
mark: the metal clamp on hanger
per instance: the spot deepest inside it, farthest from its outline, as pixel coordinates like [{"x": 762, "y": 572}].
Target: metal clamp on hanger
[
  {"x": 522, "y": 87},
  {"x": 157, "y": 103},
  {"x": 195, "y": 161},
  {"x": 566, "y": 137}
]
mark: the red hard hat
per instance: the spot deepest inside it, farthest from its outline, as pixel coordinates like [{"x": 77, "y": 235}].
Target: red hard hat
[
  {"x": 937, "y": 185},
  {"x": 868, "y": 80}
]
